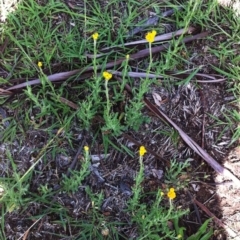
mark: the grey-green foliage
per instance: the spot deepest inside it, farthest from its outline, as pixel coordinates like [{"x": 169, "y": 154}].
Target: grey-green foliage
[
  {"x": 72, "y": 183},
  {"x": 176, "y": 168},
  {"x": 202, "y": 234},
  {"x": 134, "y": 117},
  {"x": 151, "y": 219},
  {"x": 86, "y": 112},
  {"x": 14, "y": 188}
]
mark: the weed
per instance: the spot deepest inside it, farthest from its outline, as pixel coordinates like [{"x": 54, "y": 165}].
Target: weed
[
  {"x": 203, "y": 232},
  {"x": 14, "y": 189},
  {"x": 72, "y": 184},
  {"x": 152, "y": 220}
]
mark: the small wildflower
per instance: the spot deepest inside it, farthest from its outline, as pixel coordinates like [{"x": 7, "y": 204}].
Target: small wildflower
[
  {"x": 95, "y": 36},
  {"x": 86, "y": 148},
  {"x": 150, "y": 36},
  {"x": 40, "y": 64},
  {"x": 105, "y": 232},
  {"x": 142, "y": 151},
  {"x": 171, "y": 193},
  {"x": 107, "y": 75}
]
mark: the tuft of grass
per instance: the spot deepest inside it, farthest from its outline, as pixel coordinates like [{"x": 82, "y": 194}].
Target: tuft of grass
[{"x": 11, "y": 198}]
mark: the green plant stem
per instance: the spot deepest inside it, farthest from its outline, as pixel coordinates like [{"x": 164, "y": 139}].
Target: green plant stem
[
  {"x": 150, "y": 54},
  {"x": 94, "y": 58},
  {"x": 124, "y": 75},
  {"x": 170, "y": 209},
  {"x": 107, "y": 97},
  {"x": 146, "y": 83}
]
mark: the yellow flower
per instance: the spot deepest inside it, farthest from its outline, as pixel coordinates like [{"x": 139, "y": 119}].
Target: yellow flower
[
  {"x": 39, "y": 64},
  {"x": 150, "y": 36},
  {"x": 86, "y": 148},
  {"x": 107, "y": 75},
  {"x": 95, "y": 36},
  {"x": 142, "y": 151},
  {"x": 171, "y": 193}
]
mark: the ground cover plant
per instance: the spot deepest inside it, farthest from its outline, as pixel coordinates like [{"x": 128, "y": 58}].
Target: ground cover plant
[{"x": 116, "y": 118}]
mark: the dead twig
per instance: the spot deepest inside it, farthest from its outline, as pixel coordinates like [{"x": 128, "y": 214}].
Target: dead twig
[
  {"x": 203, "y": 117},
  {"x": 195, "y": 207},
  {"x": 69, "y": 103},
  {"x": 4, "y": 45},
  {"x": 158, "y": 38},
  {"x": 216, "y": 220},
  {"x": 131, "y": 139},
  {"x": 210, "y": 78},
  {"x": 193, "y": 145},
  {"x": 153, "y": 21},
  {"x": 74, "y": 162},
  {"x": 58, "y": 77},
  {"x": 25, "y": 235}
]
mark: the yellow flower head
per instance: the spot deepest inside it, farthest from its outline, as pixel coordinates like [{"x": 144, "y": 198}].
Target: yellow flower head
[
  {"x": 40, "y": 64},
  {"x": 150, "y": 36},
  {"x": 86, "y": 148},
  {"x": 171, "y": 193},
  {"x": 142, "y": 151},
  {"x": 107, "y": 75},
  {"x": 95, "y": 36}
]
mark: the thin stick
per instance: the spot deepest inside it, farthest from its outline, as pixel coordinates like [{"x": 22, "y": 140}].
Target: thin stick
[
  {"x": 195, "y": 147},
  {"x": 57, "y": 77},
  {"x": 74, "y": 162}
]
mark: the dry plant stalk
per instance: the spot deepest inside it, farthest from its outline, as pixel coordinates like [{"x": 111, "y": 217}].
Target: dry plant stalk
[{"x": 193, "y": 145}]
